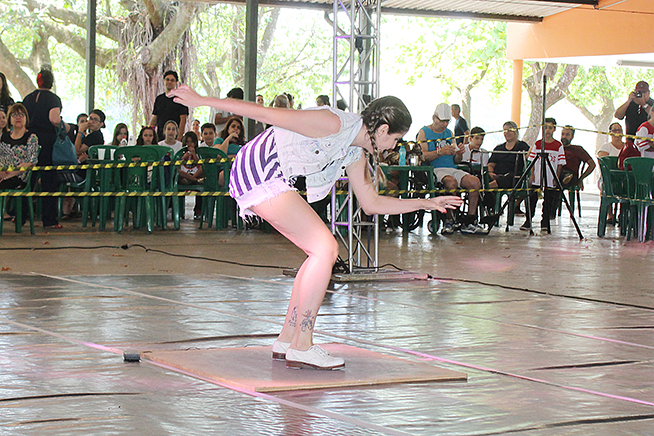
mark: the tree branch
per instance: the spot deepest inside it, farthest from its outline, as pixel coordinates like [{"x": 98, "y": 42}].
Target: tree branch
[
  {"x": 15, "y": 74},
  {"x": 156, "y": 11},
  {"x": 170, "y": 36},
  {"x": 103, "y": 57}
]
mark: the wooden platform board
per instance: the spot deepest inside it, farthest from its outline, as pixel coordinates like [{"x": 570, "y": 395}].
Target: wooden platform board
[{"x": 253, "y": 368}]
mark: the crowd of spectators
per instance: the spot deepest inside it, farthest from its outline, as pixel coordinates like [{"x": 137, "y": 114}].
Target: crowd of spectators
[{"x": 30, "y": 141}]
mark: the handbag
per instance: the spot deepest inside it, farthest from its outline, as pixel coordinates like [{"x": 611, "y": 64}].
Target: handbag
[{"x": 63, "y": 150}]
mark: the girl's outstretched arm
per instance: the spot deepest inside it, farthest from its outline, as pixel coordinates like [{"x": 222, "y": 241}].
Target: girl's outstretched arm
[
  {"x": 373, "y": 203},
  {"x": 314, "y": 123}
]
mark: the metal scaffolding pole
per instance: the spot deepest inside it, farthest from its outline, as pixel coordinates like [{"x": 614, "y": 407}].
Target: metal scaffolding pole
[{"x": 356, "y": 71}]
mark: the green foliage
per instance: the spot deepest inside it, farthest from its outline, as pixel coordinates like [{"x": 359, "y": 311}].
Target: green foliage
[{"x": 458, "y": 52}]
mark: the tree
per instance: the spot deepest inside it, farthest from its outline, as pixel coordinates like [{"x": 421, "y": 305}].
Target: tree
[
  {"x": 559, "y": 79},
  {"x": 461, "y": 53}
]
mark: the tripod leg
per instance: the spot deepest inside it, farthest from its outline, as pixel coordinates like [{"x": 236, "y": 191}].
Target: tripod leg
[{"x": 565, "y": 200}]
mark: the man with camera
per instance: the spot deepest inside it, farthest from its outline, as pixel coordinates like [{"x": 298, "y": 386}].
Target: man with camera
[{"x": 635, "y": 109}]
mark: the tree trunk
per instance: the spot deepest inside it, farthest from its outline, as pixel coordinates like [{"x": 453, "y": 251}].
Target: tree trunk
[
  {"x": 14, "y": 73},
  {"x": 556, "y": 92}
]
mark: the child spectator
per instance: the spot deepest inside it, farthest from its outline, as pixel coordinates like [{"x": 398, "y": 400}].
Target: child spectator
[
  {"x": 322, "y": 100},
  {"x": 556, "y": 155},
  {"x": 195, "y": 127},
  {"x": 473, "y": 153},
  {"x": 121, "y": 135},
  {"x": 208, "y": 135},
  {"x": 146, "y": 136},
  {"x": 170, "y": 131},
  {"x": 191, "y": 173}
]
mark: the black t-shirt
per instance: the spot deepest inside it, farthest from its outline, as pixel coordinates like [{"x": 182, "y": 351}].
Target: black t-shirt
[
  {"x": 7, "y": 139},
  {"x": 167, "y": 110},
  {"x": 635, "y": 116},
  {"x": 38, "y": 104},
  {"x": 93, "y": 138},
  {"x": 505, "y": 163},
  {"x": 460, "y": 127},
  {"x": 4, "y": 104}
]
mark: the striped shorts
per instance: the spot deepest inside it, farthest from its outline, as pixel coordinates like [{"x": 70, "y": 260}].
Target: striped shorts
[{"x": 256, "y": 175}]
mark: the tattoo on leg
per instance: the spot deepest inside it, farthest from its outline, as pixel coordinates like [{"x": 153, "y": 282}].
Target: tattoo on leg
[
  {"x": 293, "y": 320},
  {"x": 307, "y": 322}
]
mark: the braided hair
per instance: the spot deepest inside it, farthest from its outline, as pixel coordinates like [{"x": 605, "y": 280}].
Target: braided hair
[{"x": 387, "y": 110}]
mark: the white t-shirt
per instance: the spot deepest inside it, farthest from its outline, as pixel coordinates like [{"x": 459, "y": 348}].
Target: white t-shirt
[
  {"x": 177, "y": 147},
  {"x": 478, "y": 157},
  {"x": 610, "y": 149}
]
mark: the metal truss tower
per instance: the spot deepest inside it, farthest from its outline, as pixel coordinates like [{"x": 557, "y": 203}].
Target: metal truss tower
[{"x": 356, "y": 81}]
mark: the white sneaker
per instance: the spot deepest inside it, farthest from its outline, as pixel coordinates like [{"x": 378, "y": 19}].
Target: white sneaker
[
  {"x": 279, "y": 350},
  {"x": 315, "y": 357}
]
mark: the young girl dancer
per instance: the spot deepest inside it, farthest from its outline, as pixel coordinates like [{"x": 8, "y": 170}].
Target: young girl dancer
[{"x": 318, "y": 144}]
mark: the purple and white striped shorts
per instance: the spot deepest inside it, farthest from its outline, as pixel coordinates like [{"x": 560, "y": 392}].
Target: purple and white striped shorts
[{"x": 256, "y": 175}]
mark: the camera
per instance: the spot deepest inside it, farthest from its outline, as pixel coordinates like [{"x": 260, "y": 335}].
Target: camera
[{"x": 638, "y": 94}]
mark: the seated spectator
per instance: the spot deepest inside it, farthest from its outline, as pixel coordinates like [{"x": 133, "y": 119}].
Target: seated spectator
[
  {"x": 322, "y": 100},
  {"x": 437, "y": 148},
  {"x": 644, "y": 135},
  {"x": 3, "y": 119},
  {"x": 208, "y": 135},
  {"x": 146, "y": 136},
  {"x": 74, "y": 128},
  {"x": 259, "y": 100},
  {"x": 556, "y": 155},
  {"x": 505, "y": 169},
  {"x": 291, "y": 100},
  {"x": 473, "y": 153},
  {"x": 18, "y": 147},
  {"x": 613, "y": 147},
  {"x": 195, "y": 128},
  {"x": 280, "y": 101},
  {"x": 170, "y": 138},
  {"x": 121, "y": 135},
  {"x": 191, "y": 173},
  {"x": 340, "y": 104},
  {"x": 232, "y": 137},
  {"x": 258, "y": 125},
  {"x": 574, "y": 156},
  {"x": 89, "y": 134},
  {"x": 5, "y": 96}
]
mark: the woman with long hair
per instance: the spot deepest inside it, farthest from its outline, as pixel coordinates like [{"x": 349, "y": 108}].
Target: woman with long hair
[
  {"x": 120, "y": 133},
  {"x": 5, "y": 95},
  {"x": 232, "y": 137},
  {"x": 317, "y": 144},
  {"x": 147, "y": 136}
]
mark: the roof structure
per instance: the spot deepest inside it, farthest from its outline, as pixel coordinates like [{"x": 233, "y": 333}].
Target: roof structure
[{"x": 504, "y": 10}]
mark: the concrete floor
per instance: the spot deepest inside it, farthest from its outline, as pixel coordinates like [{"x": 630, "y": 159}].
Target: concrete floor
[{"x": 554, "y": 333}]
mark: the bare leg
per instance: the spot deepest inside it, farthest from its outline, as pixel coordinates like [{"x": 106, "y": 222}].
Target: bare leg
[
  {"x": 471, "y": 182},
  {"x": 292, "y": 216}
]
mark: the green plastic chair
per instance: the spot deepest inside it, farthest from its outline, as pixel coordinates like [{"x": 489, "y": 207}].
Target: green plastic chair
[
  {"x": 614, "y": 191},
  {"x": 641, "y": 195},
  {"x": 98, "y": 180},
  {"x": 135, "y": 179},
  {"x": 18, "y": 221},
  {"x": 166, "y": 177},
  {"x": 219, "y": 204}
]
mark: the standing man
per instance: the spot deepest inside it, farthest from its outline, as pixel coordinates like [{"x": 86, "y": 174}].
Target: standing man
[
  {"x": 165, "y": 109},
  {"x": 436, "y": 143},
  {"x": 635, "y": 109},
  {"x": 461, "y": 130},
  {"x": 556, "y": 155},
  {"x": 574, "y": 156}
]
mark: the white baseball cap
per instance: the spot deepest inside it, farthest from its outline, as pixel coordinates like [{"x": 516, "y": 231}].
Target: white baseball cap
[{"x": 443, "y": 112}]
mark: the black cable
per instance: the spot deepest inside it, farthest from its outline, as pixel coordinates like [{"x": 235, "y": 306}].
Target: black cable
[
  {"x": 187, "y": 256},
  {"x": 58, "y": 248}
]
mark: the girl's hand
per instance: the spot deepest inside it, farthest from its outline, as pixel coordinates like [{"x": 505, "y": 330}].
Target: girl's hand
[
  {"x": 231, "y": 138},
  {"x": 443, "y": 203},
  {"x": 187, "y": 96}
]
